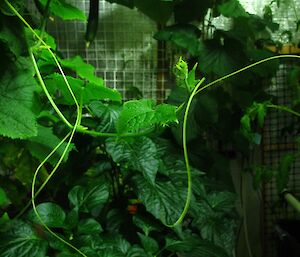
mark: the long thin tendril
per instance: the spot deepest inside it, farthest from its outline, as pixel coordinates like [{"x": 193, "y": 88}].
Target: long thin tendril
[
  {"x": 186, "y": 157},
  {"x": 246, "y": 68}
]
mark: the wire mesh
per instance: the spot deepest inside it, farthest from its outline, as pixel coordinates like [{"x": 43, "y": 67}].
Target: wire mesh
[{"x": 278, "y": 141}]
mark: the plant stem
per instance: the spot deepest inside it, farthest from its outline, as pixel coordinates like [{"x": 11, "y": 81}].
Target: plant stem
[
  {"x": 248, "y": 67},
  {"x": 283, "y": 108},
  {"x": 42, "y": 83},
  {"x": 292, "y": 201},
  {"x": 186, "y": 158}
]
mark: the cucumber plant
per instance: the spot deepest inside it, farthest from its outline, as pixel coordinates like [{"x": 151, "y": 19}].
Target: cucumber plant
[{"x": 113, "y": 182}]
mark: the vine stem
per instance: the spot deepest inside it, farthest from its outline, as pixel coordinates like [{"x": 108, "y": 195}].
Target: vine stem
[
  {"x": 33, "y": 194},
  {"x": 186, "y": 157},
  {"x": 283, "y": 108},
  {"x": 248, "y": 67}
]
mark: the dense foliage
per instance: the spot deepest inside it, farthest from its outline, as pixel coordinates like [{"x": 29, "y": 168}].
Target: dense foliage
[{"x": 120, "y": 184}]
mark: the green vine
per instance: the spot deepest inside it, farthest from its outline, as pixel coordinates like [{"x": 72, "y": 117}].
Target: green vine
[{"x": 77, "y": 127}]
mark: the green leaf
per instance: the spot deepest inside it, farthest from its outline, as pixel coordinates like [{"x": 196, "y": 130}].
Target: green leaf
[
  {"x": 141, "y": 114},
  {"x": 88, "y": 91},
  {"x": 16, "y": 99},
  {"x": 149, "y": 244},
  {"x": 232, "y": 8},
  {"x": 82, "y": 69},
  {"x": 184, "y": 36},
  {"x": 42, "y": 144},
  {"x": 64, "y": 10},
  {"x": 85, "y": 199},
  {"x": 107, "y": 114},
  {"x": 51, "y": 214},
  {"x": 145, "y": 224},
  {"x": 139, "y": 154},
  {"x": 220, "y": 57},
  {"x": 206, "y": 249},
  {"x": 155, "y": 9},
  {"x": 3, "y": 197},
  {"x": 222, "y": 201},
  {"x": 89, "y": 226},
  {"x": 19, "y": 5},
  {"x": 19, "y": 239},
  {"x": 283, "y": 173},
  {"x": 261, "y": 113},
  {"x": 187, "y": 11},
  {"x": 162, "y": 199}
]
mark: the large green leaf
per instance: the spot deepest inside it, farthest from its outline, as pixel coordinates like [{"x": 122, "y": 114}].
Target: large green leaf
[
  {"x": 42, "y": 144},
  {"x": 82, "y": 69},
  {"x": 88, "y": 91},
  {"x": 19, "y": 239},
  {"x": 50, "y": 213},
  {"x": 164, "y": 200},
  {"x": 232, "y": 8},
  {"x": 141, "y": 114},
  {"x": 155, "y": 9},
  {"x": 64, "y": 10},
  {"x": 139, "y": 154},
  {"x": 86, "y": 199},
  {"x": 16, "y": 99}
]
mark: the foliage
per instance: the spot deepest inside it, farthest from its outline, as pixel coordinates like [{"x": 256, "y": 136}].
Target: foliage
[{"x": 113, "y": 190}]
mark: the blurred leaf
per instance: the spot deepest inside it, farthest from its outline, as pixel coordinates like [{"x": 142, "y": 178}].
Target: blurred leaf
[
  {"x": 88, "y": 91},
  {"x": 187, "y": 11},
  {"x": 232, "y": 9},
  {"x": 51, "y": 214},
  {"x": 283, "y": 173},
  {"x": 138, "y": 153},
  {"x": 85, "y": 199},
  {"x": 149, "y": 244},
  {"x": 64, "y": 10},
  {"x": 157, "y": 10},
  {"x": 3, "y": 197},
  {"x": 89, "y": 226},
  {"x": 45, "y": 141},
  {"x": 19, "y": 239},
  {"x": 145, "y": 224},
  {"x": 142, "y": 114},
  {"x": 184, "y": 36}
]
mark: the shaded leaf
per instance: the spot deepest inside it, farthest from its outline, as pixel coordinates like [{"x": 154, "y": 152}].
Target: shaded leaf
[
  {"x": 148, "y": 243},
  {"x": 19, "y": 239},
  {"x": 232, "y": 8},
  {"x": 45, "y": 141},
  {"x": 139, "y": 154},
  {"x": 282, "y": 176},
  {"x": 3, "y": 197},
  {"x": 107, "y": 113},
  {"x": 16, "y": 99},
  {"x": 162, "y": 199},
  {"x": 89, "y": 226},
  {"x": 85, "y": 199},
  {"x": 51, "y": 214},
  {"x": 155, "y": 9}
]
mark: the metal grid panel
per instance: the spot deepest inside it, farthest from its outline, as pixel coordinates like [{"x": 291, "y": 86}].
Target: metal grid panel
[
  {"x": 276, "y": 144},
  {"x": 124, "y": 52}
]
